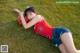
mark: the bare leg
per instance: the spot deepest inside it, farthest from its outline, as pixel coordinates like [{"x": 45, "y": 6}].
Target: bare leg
[
  {"x": 68, "y": 42},
  {"x": 62, "y": 49},
  {"x": 78, "y": 51}
]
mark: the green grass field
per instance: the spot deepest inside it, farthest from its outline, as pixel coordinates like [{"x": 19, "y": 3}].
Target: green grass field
[{"x": 20, "y": 40}]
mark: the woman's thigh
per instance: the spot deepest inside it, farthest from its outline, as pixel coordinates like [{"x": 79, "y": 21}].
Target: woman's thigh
[{"x": 67, "y": 40}]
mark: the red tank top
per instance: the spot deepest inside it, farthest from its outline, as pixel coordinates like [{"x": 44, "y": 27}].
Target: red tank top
[{"x": 44, "y": 29}]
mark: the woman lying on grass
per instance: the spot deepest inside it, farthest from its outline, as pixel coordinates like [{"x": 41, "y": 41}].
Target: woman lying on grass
[{"x": 61, "y": 37}]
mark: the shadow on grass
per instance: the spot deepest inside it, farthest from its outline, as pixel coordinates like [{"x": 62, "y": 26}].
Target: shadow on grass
[{"x": 20, "y": 40}]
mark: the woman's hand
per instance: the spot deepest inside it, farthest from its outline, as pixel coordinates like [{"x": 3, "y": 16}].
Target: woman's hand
[{"x": 17, "y": 10}]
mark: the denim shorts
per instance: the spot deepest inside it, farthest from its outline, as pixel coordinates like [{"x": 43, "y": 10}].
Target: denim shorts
[{"x": 57, "y": 32}]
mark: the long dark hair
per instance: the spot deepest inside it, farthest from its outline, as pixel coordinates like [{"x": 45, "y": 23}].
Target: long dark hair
[{"x": 29, "y": 9}]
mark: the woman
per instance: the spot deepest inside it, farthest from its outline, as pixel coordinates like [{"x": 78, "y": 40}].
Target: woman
[{"x": 61, "y": 37}]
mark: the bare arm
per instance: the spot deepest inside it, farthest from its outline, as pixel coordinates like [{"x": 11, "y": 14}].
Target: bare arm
[
  {"x": 33, "y": 22},
  {"x": 21, "y": 17},
  {"x": 29, "y": 24}
]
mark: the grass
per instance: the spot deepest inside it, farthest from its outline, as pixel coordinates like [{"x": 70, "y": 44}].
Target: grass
[{"x": 20, "y": 40}]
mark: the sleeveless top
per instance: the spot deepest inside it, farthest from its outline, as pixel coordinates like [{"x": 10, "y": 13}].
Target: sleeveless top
[{"x": 44, "y": 29}]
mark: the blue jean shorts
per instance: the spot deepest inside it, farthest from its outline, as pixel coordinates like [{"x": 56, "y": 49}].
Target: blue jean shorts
[{"x": 57, "y": 32}]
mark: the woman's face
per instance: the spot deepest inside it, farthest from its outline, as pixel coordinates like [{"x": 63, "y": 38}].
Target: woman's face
[{"x": 31, "y": 15}]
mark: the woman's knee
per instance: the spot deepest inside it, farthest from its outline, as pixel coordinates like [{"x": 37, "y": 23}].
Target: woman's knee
[{"x": 62, "y": 48}]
